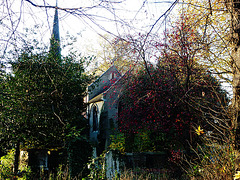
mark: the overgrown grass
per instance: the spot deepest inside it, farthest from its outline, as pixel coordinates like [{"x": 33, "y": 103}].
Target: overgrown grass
[
  {"x": 145, "y": 174},
  {"x": 215, "y": 158}
]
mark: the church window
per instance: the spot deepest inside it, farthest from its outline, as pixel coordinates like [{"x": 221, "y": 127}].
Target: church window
[
  {"x": 112, "y": 75},
  {"x": 95, "y": 118}
]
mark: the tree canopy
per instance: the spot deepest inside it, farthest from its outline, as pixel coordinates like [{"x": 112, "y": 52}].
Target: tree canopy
[
  {"x": 42, "y": 100},
  {"x": 160, "y": 106}
]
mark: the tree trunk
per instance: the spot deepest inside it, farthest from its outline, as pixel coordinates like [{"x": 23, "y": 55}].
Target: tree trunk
[
  {"x": 236, "y": 95},
  {"x": 16, "y": 158},
  {"x": 235, "y": 14}
]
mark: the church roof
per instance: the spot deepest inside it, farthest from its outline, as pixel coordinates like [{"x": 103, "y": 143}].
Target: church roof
[
  {"x": 113, "y": 67},
  {"x": 104, "y": 82}
]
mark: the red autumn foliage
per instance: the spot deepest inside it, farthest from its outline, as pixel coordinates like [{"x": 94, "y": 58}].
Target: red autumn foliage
[
  {"x": 160, "y": 105},
  {"x": 169, "y": 98},
  {"x": 152, "y": 104}
]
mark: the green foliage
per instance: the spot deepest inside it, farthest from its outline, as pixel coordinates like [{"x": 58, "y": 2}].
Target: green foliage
[
  {"x": 42, "y": 105},
  {"x": 79, "y": 151},
  {"x": 118, "y": 142},
  {"x": 6, "y": 168},
  {"x": 97, "y": 167},
  {"x": 140, "y": 142},
  {"x": 143, "y": 142},
  {"x": 62, "y": 174},
  {"x": 43, "y": 99}
]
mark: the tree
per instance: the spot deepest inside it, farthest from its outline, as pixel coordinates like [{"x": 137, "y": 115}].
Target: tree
[
  {"x": 217, "y": 26},
  {"x": 178, "y": 94},
  {"x": 159, "y": 108},
  {"x": 235, "y": 39},
  {"x": 42, "y": 102}
]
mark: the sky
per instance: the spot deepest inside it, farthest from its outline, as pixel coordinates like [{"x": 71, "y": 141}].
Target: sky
[
  {"x": 88, "y": 25},
  {"x": 21, "y": 21}
]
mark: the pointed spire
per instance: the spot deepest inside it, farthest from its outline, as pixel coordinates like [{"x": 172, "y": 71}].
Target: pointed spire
[{"x": 55, "y": 38}]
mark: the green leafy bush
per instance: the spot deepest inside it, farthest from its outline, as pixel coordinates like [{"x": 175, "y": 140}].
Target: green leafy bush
[{"x": 6, "y": 166}]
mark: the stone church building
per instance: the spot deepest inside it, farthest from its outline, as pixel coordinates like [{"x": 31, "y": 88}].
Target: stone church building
[
  {"x": 103, "y": 101},
  {"x": 103, "y": 95}
]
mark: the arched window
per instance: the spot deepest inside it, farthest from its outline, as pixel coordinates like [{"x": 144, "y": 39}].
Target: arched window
[
  {"x": 95, "y": 118},
  {"x": 112, "y": 75}
]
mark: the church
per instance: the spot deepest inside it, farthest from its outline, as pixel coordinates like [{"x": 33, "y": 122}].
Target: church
[
  {"x": 103, "y": 105},
  {"x": 103, "y": 95}
]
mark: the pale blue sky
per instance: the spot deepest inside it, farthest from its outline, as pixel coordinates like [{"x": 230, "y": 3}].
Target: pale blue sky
[{"x": 127, "y": 16}]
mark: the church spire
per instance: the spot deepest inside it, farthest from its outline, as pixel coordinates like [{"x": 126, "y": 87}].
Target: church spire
[{"x": 55, "y": 38}]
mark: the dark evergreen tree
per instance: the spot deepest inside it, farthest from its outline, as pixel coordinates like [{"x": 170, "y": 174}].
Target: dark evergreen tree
[{"x": 42, "y": 102}]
